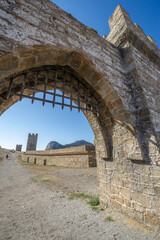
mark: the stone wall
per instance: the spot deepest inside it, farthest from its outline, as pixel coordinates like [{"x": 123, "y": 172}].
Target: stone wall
[
  {"x": 74, "y": 157},
  {"x": 129, "y": 184},
  {"x": 141, "y": 58}
]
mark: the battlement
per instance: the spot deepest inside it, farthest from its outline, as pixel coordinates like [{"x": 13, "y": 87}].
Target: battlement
[
  {"x": 124, "y": 33},
  {"x": 32, "y": 134},
  {"x": 119, "y": 13}
]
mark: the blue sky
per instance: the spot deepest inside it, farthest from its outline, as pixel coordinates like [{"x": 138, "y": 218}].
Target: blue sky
[
  {"x": 95, "y": 14},
  {"x": 62, "y": 125}
]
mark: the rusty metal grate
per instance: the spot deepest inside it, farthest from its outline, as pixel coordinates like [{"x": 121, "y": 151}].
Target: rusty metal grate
[{"x": 53, "y": 84}]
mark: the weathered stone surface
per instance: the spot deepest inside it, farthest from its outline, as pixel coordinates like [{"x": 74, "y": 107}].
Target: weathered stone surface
[
  {"x": 32, "y": 142},
  {"x": 151, "y": 217},
  {"x": 127, "y": 202},
  {"x": 8, "y": 62}
]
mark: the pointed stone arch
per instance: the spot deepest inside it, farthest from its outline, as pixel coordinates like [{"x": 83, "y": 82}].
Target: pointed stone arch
[{"x": 110, "y": 105}]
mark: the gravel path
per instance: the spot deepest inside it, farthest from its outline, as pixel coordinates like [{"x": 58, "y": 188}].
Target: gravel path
[{"x": 35, "y": 204}]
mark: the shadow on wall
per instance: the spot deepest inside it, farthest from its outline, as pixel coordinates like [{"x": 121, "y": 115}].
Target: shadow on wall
[{"x": 126, "y": 145}]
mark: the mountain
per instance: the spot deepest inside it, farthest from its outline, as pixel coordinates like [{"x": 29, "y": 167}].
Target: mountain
[
  {"x": 78, "y": 143},
  {"x": 55, "y": 145}
]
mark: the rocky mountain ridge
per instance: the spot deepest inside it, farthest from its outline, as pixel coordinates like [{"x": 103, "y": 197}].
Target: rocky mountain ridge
[{"x": 55, "y": 145}]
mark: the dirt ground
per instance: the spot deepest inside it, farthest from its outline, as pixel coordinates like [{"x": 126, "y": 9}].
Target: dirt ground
[
  {"x": 43, "y": 202},
  {"x": 66, "y": 180}
]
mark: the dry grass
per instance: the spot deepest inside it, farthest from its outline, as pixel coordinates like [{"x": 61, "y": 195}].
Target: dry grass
[
  {"x": 91, "y": 200},
  {"x": 109, "y": 219},
  {"x": 45, "y": 179},
  {"x": 53, "y": 178}
]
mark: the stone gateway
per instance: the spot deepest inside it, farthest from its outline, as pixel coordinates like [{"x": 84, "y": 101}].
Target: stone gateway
[{"x": 121, "y": 70}]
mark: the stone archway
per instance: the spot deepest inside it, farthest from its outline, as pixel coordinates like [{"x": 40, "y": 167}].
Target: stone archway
[{"x": 110, "y": 105}]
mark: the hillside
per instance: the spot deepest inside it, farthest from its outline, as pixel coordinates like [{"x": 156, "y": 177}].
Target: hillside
[
  {"x": 55, "y": 145},
  {"x": 3, "y": 153}
]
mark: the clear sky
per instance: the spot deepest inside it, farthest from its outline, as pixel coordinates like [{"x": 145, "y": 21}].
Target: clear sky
[{"x": 62, "y": 125}]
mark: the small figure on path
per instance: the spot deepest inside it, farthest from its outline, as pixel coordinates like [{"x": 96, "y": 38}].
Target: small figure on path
[{"x": 7, "y": 156}]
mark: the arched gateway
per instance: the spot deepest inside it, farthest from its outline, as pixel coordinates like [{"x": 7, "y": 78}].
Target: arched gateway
[{"x": 114, "y": 80}]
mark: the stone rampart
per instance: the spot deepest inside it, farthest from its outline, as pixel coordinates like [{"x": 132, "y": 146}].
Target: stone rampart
[{"x": 74, "y": 157}]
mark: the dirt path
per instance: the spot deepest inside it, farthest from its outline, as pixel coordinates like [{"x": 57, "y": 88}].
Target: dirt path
[
  {"x": 35, "y": 203},
  {"x": 65, "y": 179}
]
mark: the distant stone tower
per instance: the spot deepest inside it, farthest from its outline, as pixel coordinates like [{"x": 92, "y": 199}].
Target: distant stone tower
[
  {"x": 19, "y": 148},
  {"x": 32, "y": 142}
]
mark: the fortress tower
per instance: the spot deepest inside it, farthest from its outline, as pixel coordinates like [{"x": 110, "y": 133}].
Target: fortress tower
[
  {"x": 18, "y": 147},
  {"x": 32, "y": 142}
]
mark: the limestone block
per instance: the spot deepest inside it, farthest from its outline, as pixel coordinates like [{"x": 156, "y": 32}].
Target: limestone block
[
  {"x": 142, "y": 199},
  {"x": 151, "y": 218},
  {"x": 116, "y": 204},
  {"x": 138, "y": 207},
  {"x": 127, "y": 202},
  {"x": 125, "y": 193}
]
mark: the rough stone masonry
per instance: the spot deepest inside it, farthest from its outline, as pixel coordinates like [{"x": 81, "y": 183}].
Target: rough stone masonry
[
  {"x": 122, "y": 70},
  {"x": 32, "y": 142}
]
